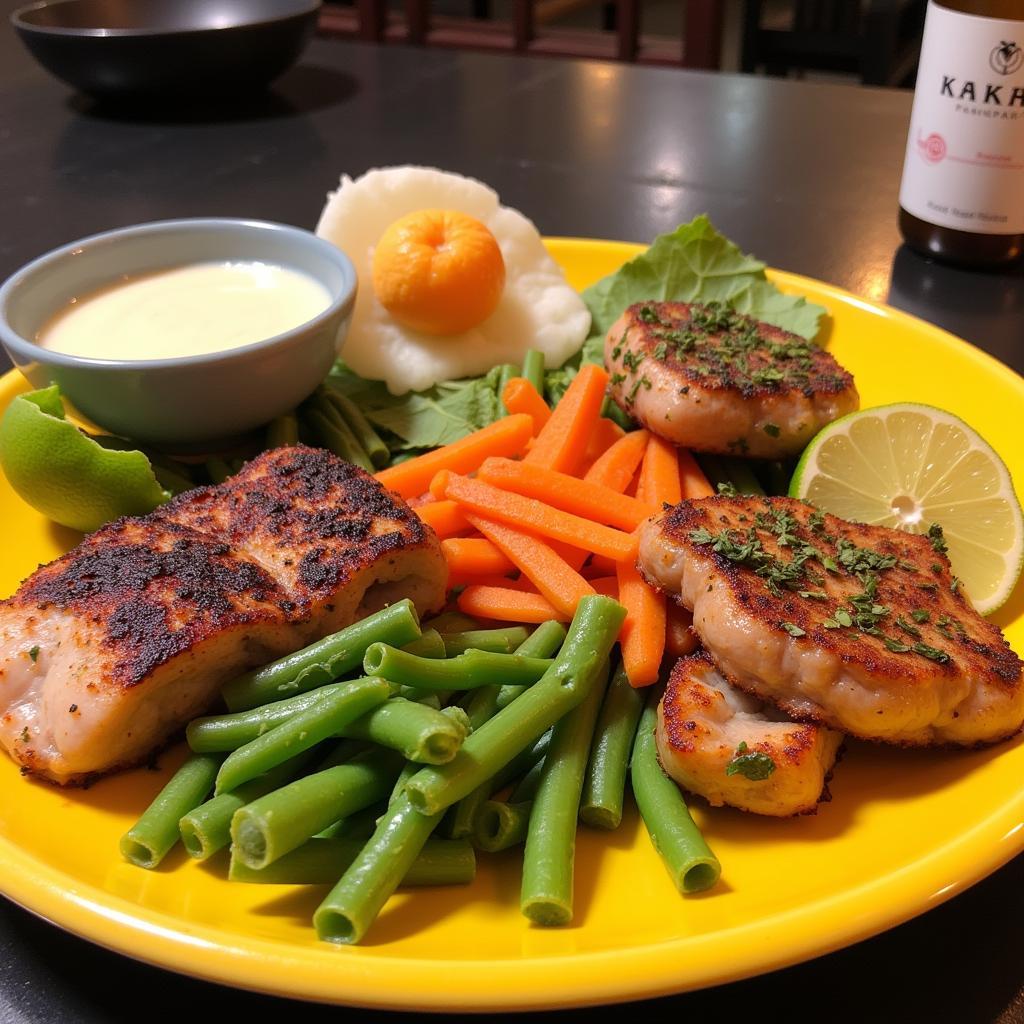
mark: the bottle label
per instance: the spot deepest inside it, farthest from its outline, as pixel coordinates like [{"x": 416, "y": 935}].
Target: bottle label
[{"x": 964, "y": 165}]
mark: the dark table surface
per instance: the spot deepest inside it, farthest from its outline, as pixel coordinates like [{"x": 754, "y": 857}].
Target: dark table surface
[{"x": 803, "y": 175}]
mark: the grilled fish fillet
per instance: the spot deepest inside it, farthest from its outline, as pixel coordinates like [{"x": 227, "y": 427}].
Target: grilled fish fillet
[
  {"x": 860, "y": 628},
  {"x": 108, "y": 650},
  {"x": 710, "y": 379},
  {"x": 730, "y": 748}
]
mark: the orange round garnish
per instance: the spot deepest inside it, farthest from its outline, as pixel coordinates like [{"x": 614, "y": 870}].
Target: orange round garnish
[{"x": 438, "y": 271}]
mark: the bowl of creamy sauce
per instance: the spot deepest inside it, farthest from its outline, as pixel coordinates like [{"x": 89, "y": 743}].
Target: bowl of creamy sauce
[{"x": 181, "y": 333}]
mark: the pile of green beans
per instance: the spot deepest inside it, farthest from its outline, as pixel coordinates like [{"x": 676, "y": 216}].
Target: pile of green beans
[{"x": 320, "y": 776}]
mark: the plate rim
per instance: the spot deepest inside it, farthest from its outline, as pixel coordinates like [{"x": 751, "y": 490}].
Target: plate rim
[{"x": 534, "y": 983}]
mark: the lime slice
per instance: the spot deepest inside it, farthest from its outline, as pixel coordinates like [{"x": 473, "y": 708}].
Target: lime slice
[
  {"x": 907, "y": 466},
  {"x": 64, "y": 473}
]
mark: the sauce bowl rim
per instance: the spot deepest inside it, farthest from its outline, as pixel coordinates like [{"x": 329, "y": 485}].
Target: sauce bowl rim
[{"x": 27, "y": 349}]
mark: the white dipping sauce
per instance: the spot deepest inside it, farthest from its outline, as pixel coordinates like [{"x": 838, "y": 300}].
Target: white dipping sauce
[{"x": 190, "y": 310}]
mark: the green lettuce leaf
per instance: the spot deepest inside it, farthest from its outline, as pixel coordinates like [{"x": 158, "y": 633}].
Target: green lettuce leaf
[
  {"x": 695, "y": 263},
  {"x": 423, "y": 419}
]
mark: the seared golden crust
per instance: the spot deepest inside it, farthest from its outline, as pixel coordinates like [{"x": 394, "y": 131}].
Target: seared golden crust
[
  {"x": 315, "y": 519},
  {"x": 153, "y": 589},
  {"x": 919, "y": 581},
  {"x": 704, "y": 724},
  {"x": 718, "y": 349},
  {"x": 859, "y": 627},
  {"x": 108, "y": 650},
  {"x": 707, "y": 378}
]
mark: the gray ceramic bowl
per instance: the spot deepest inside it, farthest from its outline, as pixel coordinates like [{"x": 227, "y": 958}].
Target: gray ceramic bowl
[
  {"x": 166, "y": 48},
  {"x": 191, "y": 400}
]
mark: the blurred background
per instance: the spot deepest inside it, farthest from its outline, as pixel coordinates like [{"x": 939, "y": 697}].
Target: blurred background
[{"x": 873, "y": 42}]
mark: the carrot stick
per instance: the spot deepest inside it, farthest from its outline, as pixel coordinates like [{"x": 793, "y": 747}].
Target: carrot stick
[
  {"x": 520, "y": 396},
  {"x": 562, "y": 444},
  {"x": 679, "y": 638},
  {"x": 607, "y": 585},
  {"x": 591, "y": 501},
  {"x": 643, "y": 633},
  {"x": 616, "y": 467},
  {"x": 507, "y": 436},
  {"x": 469, "y": 556},
  {"x": 535, "y": 516},
  {"x": 484, "y": 602},
  {"x": 552, "y": 576},
  {"x": 659, "y": 474},
  {"x": 694, "y": 483},
  {"x": 605, "y": 433},
  {"x": 444, "y": 517}
]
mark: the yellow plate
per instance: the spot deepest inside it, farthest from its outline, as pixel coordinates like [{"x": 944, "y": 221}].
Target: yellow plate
[{"x": 904, "y": 831}]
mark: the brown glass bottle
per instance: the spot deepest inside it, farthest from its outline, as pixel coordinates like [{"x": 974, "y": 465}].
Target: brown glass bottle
[{"x": 964, "y": 108}]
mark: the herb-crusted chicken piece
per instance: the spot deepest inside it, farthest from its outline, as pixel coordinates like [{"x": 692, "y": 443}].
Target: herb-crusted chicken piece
[
  {"x": 861, "y": 628},
  {"x": 730, "y": 748},
  {"x": 108, "y": 650},
  {"x": 710, "y": 379}
]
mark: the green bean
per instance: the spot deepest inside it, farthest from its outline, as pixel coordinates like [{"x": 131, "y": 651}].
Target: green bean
[
  {"x": 360, "y": 426},
  {"x": 431, "y": 700},
  {"x": 526, "y": 788},
  {"x": 688, "y": 858},
  {"x": 429, "y": 645},
  {"x": 499, "y": 825},
  {"x": 302, "y": 731},
  {"x": 483, "y": 704},
  {"x": 548, "y": 859},
  {"x": 338, "y": 438},
  {"x": 497, "y": 641},
  {"x": 207, "y": 828},
  {"x": 360, "y": 825},
  {"x": 280, "y": 821},
  {"x": 217, "y": 469},
  {"x": 420, "y": 733},
  {"x": 735, "y": 473},
  {"x": 325, "y": 661},
  {"x": 605, "y": 786},
  {"x": 323, "y": 861},
  {"x": 505, "y": 373},
  {"x": 465, "y": 811},
  {"x": 611, "y": 411},
  {"x": 543, "y": 642},
  {"x": 410, "y": 769},
  {"x": 355, "y": 901},
  {"x": 474, "y": 668},
  {"x": 571, "y": 677},
  {"x": 533, "y": 368},
  {"x": 283, "y": 431},
  {"x": 451, "y": 622},
  {"x": 147, "y": 842}
]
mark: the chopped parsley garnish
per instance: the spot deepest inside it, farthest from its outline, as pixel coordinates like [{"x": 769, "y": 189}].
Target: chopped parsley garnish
[
  {"x": 649, "y": 315},
  {"x": 861, "y": 561},
  {"x": 813, "y": 595},
  {"x": 954, "y": 585},
  {"x": 617, "y": 378},
  {"x": 896, "y": 645},
  {"x": 793, "y": 629},
  {"x": 932, "y": 653},
  {"x": 920, "y": 615},
  {"x": 938, "y": 541},
  {"x": 33, "y": 652},
  {"x": 901, "y": 623},
  {"x": 816, "y": 520},
  {"x": 751, "y": 764},
  {"x": 26, "y": 736},
  {"x": 727, "y": 489}
]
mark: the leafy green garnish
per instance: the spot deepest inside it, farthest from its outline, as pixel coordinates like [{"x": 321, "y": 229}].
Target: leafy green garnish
[
  {"x": 695, "y": 263},
  {"x": 751, "y": 764},
  {"x": 33, "y": 652}
]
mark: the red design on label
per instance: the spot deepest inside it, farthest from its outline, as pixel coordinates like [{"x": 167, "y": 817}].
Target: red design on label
[{"x": 933, "y": 148}]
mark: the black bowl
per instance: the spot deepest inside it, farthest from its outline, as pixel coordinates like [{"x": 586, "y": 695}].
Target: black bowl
[{"x": 168, "y": 49}]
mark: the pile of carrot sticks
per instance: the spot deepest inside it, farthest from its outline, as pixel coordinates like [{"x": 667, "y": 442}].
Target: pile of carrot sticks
[{"x": 544, "y": 506}]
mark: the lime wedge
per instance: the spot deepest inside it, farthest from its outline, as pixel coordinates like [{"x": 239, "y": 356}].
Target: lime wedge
[
  {"x": 907, "y": 466},
  {"x": 64, "y": 473}
]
